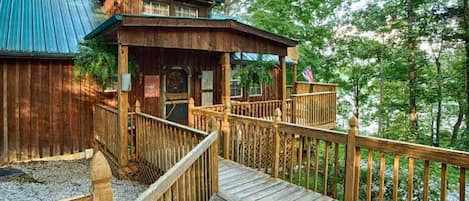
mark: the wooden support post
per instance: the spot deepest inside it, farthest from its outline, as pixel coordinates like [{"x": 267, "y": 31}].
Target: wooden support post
[
  {"x": 283, "y": 65},
  {"x": 295, "y": 69},
  {"x": 276, "y": 156},
  {"x": 190, "y": 114},
  {"x": 226, "y": 98},
  {"x": 5, "y": 113},
  {"x": 213, "y": 127},
  {"x": 350, "y": 160},
  {"x": 100, "y": 178},
  {"x": 123, "y": 105}
]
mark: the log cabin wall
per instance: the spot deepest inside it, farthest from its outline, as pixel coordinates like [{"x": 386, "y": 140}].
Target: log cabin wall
[
  {"x": 111, "y": 7},
  {"x": 46, "y": 110}
]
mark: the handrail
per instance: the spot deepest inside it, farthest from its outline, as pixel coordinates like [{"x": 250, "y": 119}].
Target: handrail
[
  {"x": 114, "y": 110},
  {"x": 317, "y": 83},
  {"x": 158, "y": 189},
  {"x": 172, "y": 123},
  {"x": 314, "y": 93},
  {"x": 436, "y": 154}
]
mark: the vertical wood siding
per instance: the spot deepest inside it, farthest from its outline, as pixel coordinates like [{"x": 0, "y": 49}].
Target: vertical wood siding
[
  {"x": 151, "y": 61},
  {"x": 48, "y": 110}
]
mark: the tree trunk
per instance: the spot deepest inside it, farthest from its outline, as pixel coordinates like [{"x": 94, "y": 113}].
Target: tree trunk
[
  {"x": 356, "y": 93},
  {"x": 381, "y": 93},
  {"x": 412, "y": 72},
  {"x": 457, "y": 125},
  {"x": 438, "y": 92},
  {"x": 466, "y": 40}
]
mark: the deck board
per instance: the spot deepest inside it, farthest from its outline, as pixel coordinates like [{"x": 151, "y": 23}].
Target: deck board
[{"x": 238, "y": 182}]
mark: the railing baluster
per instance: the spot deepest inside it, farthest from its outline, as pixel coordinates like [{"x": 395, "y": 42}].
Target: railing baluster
[
  {"x": 410, "y": 181},
  {"x": 300, "y": 159},
  {"x": 395, "y": 180},
  {"x": 308, "y": 161},
  {"x": 444, "y": 181},
  {"x": 336, "y": 170},
  {"x": 357, "y": 174},
  {"x": 326, "y": 166},
  {"x": 382, "y": 170},
  {"x": 316, "y": 165},
  {"x": 370, "y": 175},
  {"x": 426, "y": 177},
  {"x": 462, "y": 184}
]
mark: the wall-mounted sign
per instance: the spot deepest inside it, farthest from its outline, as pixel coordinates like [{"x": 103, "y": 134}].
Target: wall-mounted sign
[
  {"x": 207, "y": 80},
  {"x": 152, "y": 86}
]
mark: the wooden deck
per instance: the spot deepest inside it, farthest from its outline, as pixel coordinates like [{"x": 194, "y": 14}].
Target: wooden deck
[{"x": 237, "y": 182}]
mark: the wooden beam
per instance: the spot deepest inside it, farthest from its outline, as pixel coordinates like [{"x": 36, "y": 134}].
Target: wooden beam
[
  {"x": 226, "y": 98},
  {"x": 123, "y": 105},
  {"x": 283, "y": 65}
]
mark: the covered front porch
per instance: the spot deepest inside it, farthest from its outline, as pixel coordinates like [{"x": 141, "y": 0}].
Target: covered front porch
[{"x": 181, "y": 59}]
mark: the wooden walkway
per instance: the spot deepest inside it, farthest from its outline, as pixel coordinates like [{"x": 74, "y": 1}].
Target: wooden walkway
[{"x": 238, "y": 182}]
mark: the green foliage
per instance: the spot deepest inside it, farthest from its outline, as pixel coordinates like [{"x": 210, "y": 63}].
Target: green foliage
[
  {"x": 257, "y": 72},
  {"x": 100, "y": 61}
]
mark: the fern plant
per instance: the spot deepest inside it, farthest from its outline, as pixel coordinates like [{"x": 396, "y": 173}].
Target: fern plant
[
  {"x": 99, "y": 60},
  {"x": 256, "y": 72}
]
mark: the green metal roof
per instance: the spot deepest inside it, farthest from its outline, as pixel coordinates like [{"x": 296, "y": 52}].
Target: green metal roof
[{"x": 45, "y": 27}]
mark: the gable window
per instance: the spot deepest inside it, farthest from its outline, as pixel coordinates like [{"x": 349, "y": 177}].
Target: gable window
[
  {"x": 255, "y": 90},
  {"x": 184, "y": 11},
  {"x": 155, "y": 8},
  {"x": 236, "y": 90}
]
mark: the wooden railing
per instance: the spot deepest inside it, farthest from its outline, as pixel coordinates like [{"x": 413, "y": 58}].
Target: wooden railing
[
  {"x": 187, "y": 157},
  {"x": 105, "y": 131},
  {"x": 306, "y": 87},
  {"x": 315, "y": 109},
  {"x": 343, "y": 165},
  {"x": 194, "y": 177}
]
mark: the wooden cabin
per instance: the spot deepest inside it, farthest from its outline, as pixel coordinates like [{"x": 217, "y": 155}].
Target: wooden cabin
[
  {"x": 46, "y": 110},
  {"x": 183, "y": 54}
]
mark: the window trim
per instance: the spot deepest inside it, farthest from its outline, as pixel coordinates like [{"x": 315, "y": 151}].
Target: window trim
[
  {"x": 155, "y": 2},
  {"x": 257, "y": 95},
  {"x": 197, "y": 9},
  {"x": 231, "y": 79}
]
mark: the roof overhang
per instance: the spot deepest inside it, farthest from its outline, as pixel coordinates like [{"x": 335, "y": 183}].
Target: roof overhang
[{"x": 224, "y": 35}]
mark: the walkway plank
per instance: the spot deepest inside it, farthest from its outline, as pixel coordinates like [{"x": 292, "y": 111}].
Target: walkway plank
[{"x": 238, "y": 182}]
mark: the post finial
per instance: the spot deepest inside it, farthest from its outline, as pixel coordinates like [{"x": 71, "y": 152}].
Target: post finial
[
  {"x": 137, "y": 106},
  {"x": 100, "y": 178},
  {"x": 212, "y": 124},
  {"x": 353, "y": 121},
  {"x": 278, "y": 115},
  {"x": 191, "y": 101}
]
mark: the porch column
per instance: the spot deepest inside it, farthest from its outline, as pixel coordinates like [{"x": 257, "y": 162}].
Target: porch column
[
  {"x": 283, "y": 65},
  {"x": 122, "y": 105},
  {"x": 226, "y": 100},
  {"x": 295, "y": 66}
]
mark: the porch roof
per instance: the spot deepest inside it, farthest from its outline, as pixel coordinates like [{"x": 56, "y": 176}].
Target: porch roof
[{"x": 222, "y": 35}]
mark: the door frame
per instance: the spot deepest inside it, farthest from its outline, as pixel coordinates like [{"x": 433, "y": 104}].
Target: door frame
[{"x": 164, "y": 70}]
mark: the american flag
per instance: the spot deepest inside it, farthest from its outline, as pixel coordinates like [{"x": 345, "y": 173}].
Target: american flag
[{"x": 308, "y": 74}]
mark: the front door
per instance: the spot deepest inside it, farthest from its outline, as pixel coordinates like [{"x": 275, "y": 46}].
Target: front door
[{"x": 177, "y": 92}]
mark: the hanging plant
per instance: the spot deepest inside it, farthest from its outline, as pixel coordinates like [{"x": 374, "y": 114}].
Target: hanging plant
[
  {"x": 99, "y": 60},
  {"x": 256, "y": 72}
]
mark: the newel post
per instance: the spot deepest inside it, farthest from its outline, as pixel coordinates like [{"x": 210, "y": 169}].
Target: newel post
[
  {"x": 100, "y": 178},
  {"x": 213, "y": 127},
  {"x": 350, "y": 160},
  {"x": 276, "y": 156},
  {"x": 190, "y": 112},
  {"x": 226, "y": 130},
  {"x": 138, "y": 107}
]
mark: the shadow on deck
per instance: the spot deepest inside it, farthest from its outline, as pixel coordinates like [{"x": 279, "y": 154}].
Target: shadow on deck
[{"x": 237, "y": 182}]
